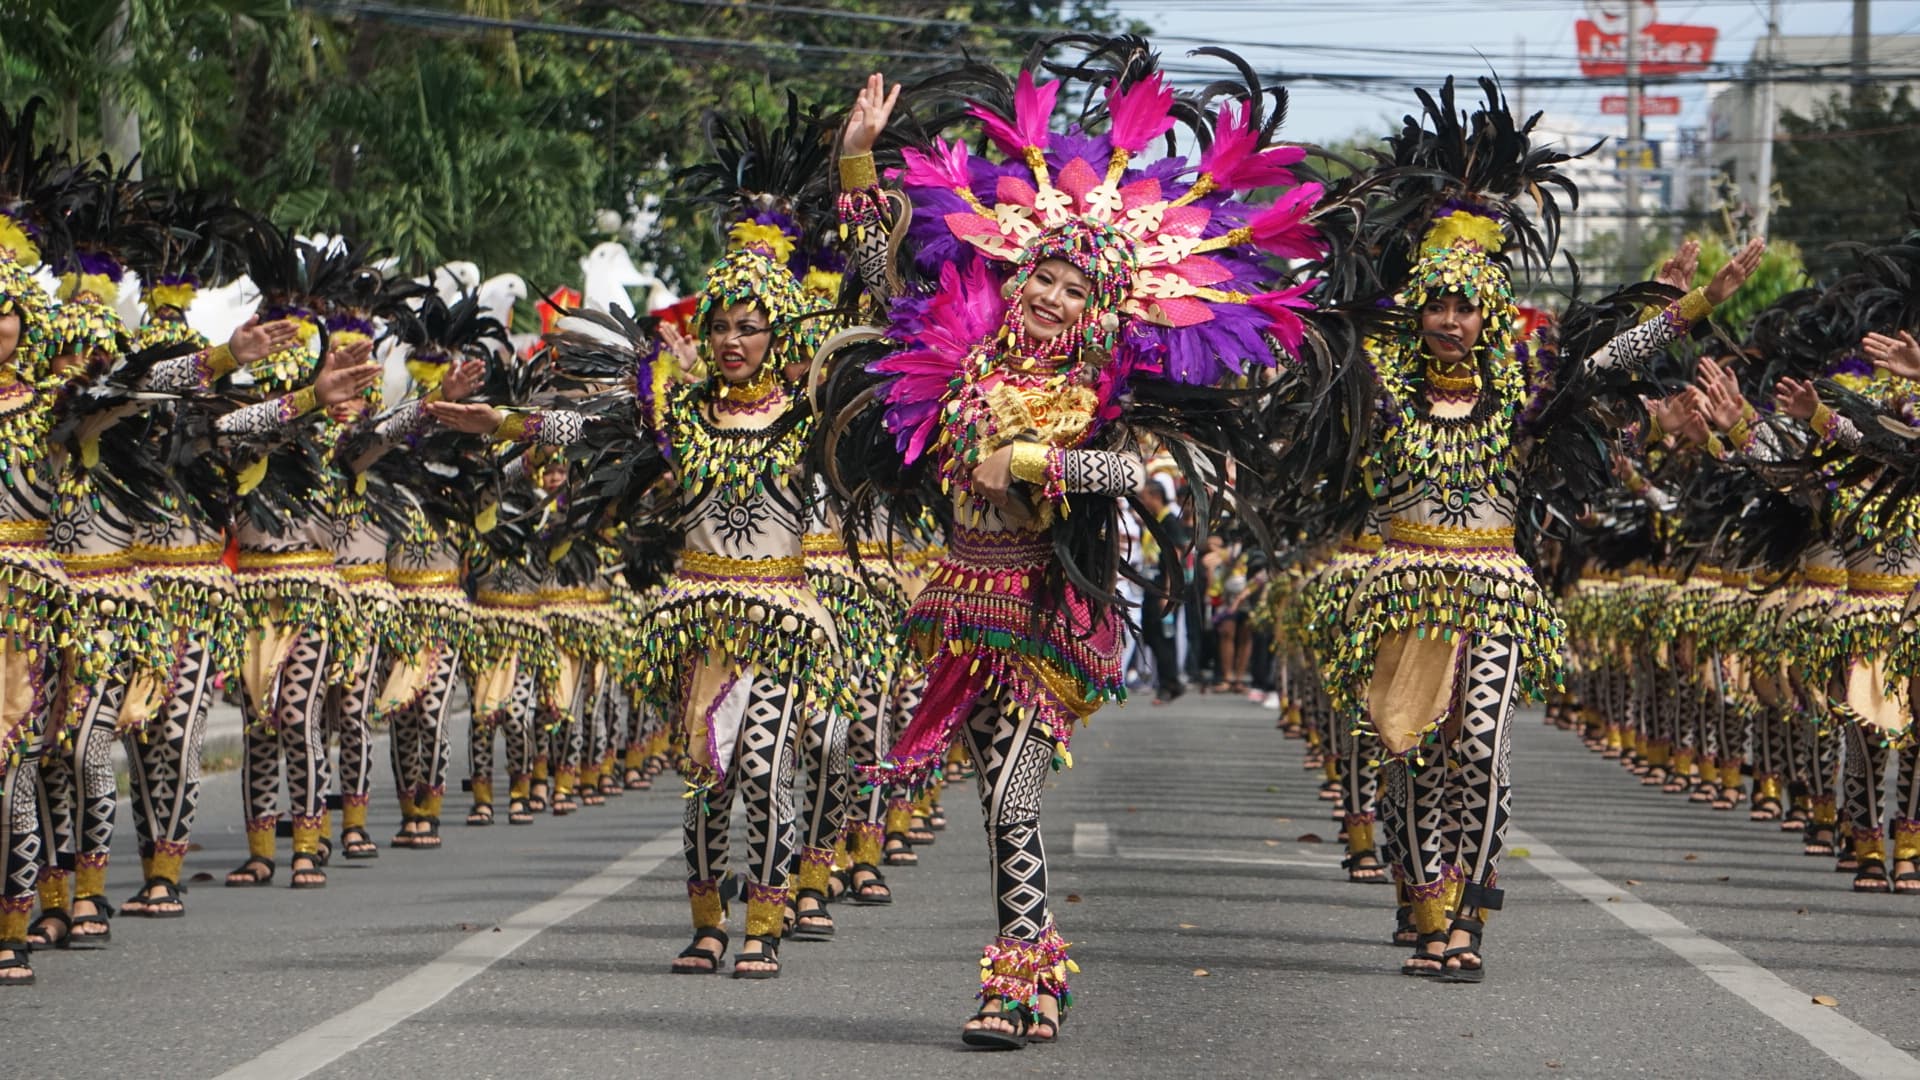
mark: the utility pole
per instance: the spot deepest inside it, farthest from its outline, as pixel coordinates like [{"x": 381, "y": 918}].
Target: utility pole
[
  {"x": 1630, "y": 173},
  {"x": 1520, "y": 51},
  {"x": 119, "y": 123},
  {"x": 1862, "y": 47},
  {"x": 1763, "y": 128}
]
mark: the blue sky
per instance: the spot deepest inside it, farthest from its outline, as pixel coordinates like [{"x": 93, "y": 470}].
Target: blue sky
[{"x": 1341, "y": 36}]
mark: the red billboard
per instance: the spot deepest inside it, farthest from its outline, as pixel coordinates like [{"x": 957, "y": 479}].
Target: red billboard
[
  {"x": 1665, "y": 49},
  {"x": 1650, "y": 105}
]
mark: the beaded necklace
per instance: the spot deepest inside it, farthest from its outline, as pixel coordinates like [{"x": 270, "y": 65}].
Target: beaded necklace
[{"x": 736, "y": 463}]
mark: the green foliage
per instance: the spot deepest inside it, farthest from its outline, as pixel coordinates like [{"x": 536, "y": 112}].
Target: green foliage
[
  {"x": 473, "y": 142},
  {"x": 1846, "y": 173},
  {"x": 1781, "y": 271}
]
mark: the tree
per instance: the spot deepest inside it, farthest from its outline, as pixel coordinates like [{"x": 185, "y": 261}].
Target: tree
[{"x": 1845, "y": 174}]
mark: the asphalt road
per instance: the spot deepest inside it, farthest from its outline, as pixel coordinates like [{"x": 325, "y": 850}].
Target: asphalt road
[{"x": 1214, "y": 939}]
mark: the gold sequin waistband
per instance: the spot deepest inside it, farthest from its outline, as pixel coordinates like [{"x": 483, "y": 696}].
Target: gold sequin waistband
[
  {"x": 782, "y": 568},
  {"x": 1368, "y": 543},
  {"x": 575, "y": 596},
  {"x": 96, "y": 564},
  {"x": 1449, "y": 536},
  {"x": 23, "y": 532},
  {"x": 1860, "y": 581},
  {"x": 822, "y": 544},
  {"x": 420, "y": 579},
  {"x": 1831, "y": 576},
  {"x": 191, "y": 555},
  {"x": 490, "y": 598},
  {"x": 284, "y": 560},
  {"x": 355, "y": 573}
]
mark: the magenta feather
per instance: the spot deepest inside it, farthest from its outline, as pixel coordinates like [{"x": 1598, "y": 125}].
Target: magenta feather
[
  {"x": 1282, "y": 228},
  {"x": 1282, "y": 308},
  {"x": 1032, "y": 111},
  {"x": 1236, "y": 162},
  {"x": 1141, "y": 113},
  {"x": 945, "y": 167}
]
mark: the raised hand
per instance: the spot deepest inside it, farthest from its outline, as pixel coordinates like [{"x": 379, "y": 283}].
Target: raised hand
[
  {"x": 254, "y": 340},
  {"x": 681, "y": 346},
  {"x": 1900, "y": 356},
  {"x": 1795, "y": 398},
  {"x": 472, "y": 418},
  {"x": 1678, "y": 271},
  {"x": 1718, "y": 395},
  {"x": 464, "y": 379},
  {"x": 1728, "y": 279},
  {"x": 871, "y": 111},
  {"x": 346, "y": 374}
]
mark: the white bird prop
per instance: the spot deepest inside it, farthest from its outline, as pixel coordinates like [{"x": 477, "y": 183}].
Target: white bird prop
[
  {"x": 609, "y": 273},
  {"x": 453, "y": 279},
  {"x": 219, "y": 311},
  {"x": 499, "y": 293}
]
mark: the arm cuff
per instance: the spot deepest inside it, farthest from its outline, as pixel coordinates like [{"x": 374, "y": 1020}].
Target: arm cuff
[
  {"x": 219, "y": 362},
  {"x": 1029, "y": 462},
  {"x": 1694, "y": 306},
  {"x": 857, "y": 172},
  {"x": 512, "y": 429}
]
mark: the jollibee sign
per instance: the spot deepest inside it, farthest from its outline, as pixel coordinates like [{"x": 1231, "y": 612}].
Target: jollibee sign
[{"x": 1665, "y": 48}]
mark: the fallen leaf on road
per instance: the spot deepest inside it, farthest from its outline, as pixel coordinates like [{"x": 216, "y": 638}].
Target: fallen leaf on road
[
  {"x": 1553, "y": 1064},
  {"x": 1799, "y": 911},
  {"x": 1724, "y": 878},
  {"x": 1132, "y": 809},
  {"x": 1520, "y": 853},
  {"x": 1829, "y": 1002},
  {"x": 1311, "y": 838},
  {"x": 1631, "y": 881},
  {"x": 1201, "y": 973},
  {"x": 468, "y": 928},
  {"x": 194, "y": 845},
  {"x": 1272, "y": 788},
  {"x": 1271, "y": 843},
  {"x": 1188, "y": 926},
  {"x": 1073, "y": 898},
  {"x": 1613, "y": 899},
  {"x": 1691, "y": 857}
]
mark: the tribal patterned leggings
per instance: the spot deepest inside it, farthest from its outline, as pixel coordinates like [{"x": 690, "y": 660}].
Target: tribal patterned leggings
[
  {"x": 165, "y": 766},
  {"x": 762, "y": 777},
  {"x": 78, "y": 792},
  {"x": 418, "y": 742},
  {"x": 518, "y": 733},
  {"x": 293, "y": 732},
  {"x": 1449, "y": 817},
  {"x": 1013, "y": 756}
]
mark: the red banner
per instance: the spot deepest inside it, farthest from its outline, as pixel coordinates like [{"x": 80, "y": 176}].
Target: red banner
[
  {"x": 1650, "y": 105},
  {"x": 1665, "y": 49}
]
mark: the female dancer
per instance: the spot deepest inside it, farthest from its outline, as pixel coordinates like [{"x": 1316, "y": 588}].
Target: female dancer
[{"x": 1067, "y": 280}]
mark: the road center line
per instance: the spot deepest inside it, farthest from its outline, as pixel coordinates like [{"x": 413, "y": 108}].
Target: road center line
[
  {"x": 339, "y": 1035},
  {"x": 1853, "y": 1047}
]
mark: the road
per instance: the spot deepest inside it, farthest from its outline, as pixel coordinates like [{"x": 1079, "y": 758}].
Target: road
[{"x": 1216, "y": 934}]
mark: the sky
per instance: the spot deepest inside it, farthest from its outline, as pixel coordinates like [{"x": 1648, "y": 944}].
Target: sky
[{"x": 1372, "y": 37}]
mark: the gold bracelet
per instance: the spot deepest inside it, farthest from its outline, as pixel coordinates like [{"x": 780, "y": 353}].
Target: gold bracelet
[
  {"x": 512, "y": 429},
  {"x": 220, "y": 361},
  {"x": 1029, "y": 462},
  {"x": 1740, "y": 434},
  {"x": 1822, "y": 420},
  {"x": 857, "y": 172},
  {"x": 1695, "y": 306},
  {"x": 303, "y": 401},
  {"x": 1655, "y": 432}
]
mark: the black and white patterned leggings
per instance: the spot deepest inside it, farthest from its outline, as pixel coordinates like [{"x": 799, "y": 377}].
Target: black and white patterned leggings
[
  {"x": 296, "y": 733},
  {"x": 78, "y": 791},
  {"x": 517, "y": 730},
  {"x": 762, "y": 777},
  {"x": 164, "y": 774},
  {"x": 418, "y": 742},
  {"x": 1013, "y": 755}
]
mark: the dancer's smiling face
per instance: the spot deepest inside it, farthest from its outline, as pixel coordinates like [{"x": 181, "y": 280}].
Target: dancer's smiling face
[
  {"x": 1053, "y": 299},
  {"x": 1450, "y": 324},
  {"x": 737, "y": 340}
]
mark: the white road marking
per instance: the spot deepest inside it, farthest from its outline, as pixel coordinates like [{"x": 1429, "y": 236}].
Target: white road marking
[
  {"x": 1856, "y": 1049},
  {"x": 339, "y": 1035},
  {"x": 1092, "y": 838}
]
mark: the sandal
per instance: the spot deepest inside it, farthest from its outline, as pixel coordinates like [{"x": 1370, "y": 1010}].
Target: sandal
[
  {"x": 519, "y": 812},
  {"x": 937, "y": 818},
  {"x": 537, "y": 797},
  {"x": 1909, "y": 878},
  {"x": 1364, "y": 867},
  {"x": 636, "y": 780},
  {"x": 563, "y": 803},
  {"x": 145, "y": 904},
  {"x": 989, "y": 1039},
  {"x": 839, "y": 883},
  {"x": 1871, "y": 877},
  {"x": 822, "y": 927},
  {"x": 1765, "y": 808},
  {"x": 20, "y": 960},
  {"x": 481, "y": 814},
  {"x": 430, "y": 839},
  {"x": 249, "y": 874},
  {"x": 696, "y": 952},
  {"x": 102, "y": 917},
  {"x": 769, "y": 954},
  {"x": 311, "y": 876},
  {"x": 590, "y": 796},
  {"x": 38, "y": 936},
  {"x": 1039, "y": 1019},
  {"x": 356, "y": 844},
  {"x": 1403, "y": 931},
  {"x": 1794, "y": 821},
  {"x": 1453, "y": 961},
  {"x": 1819, "y": 841},
  {"x": 863, "y": 894},
  {"x": 611, "y": 788},
  {"x": 899, "y": 852},
  {"x": 1415, "y": 965},
  {"x": 919, "y": 833}
]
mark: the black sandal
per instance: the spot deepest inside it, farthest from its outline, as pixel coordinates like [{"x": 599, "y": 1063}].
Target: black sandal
[
  {"x": 1403, "y": 931},
  {"x": 519, "y": 812},
  {"x": 538, "y": 803},
  {"x": 769, "y": 954},
  {"x": 1459, "y": 972},
  {"x": 899, "y": 851},
  {"x": 1765, "y": 808},
  {"x": 22, "y": 958},
  {"x": 920, "y": 835},
  {"x": 1036, "y": 1018},
  {"x": 989, "y": 1039},
  {"x": 937, "y": 818},
  {"x": 315, "y": 868},
  {"x": 817, "y": 932},
  {"x": 1907, "y": 877},
  {"x": 481, "y": 814},
  {"x": 429, "y": 840},
  {"x": 695, "y": 952},
  {"x": 356, "y": 844},
  {"x": 1819, "y": 841},
  {"x": 247, "y": 877},
  {"x": 157, "y": 890},
  {"x": 636, "y": 780},
  {"x": 1420, "y": 970},
  {"x": 1354, "y": 866},
  {"x": 1871, "y": 877},
  {"x": 860, "y": 896},
  {"x": 102, "y": 916},
  {"x": 58, "y": 915}
]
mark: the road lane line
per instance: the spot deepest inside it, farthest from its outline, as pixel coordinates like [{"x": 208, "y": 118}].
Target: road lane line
[
  {"x": 339, "y": 1035},
  {"x": 1092, "y": 838},
  {"x": 1853, "y": 1047}
]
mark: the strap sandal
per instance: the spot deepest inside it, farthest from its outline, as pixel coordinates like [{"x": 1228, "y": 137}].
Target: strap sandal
[
  {"x": 102, "y": 917},
  {"x": 818, "y": 931},
  {"x": 1038, "y": 1021},
  {"x": 696, "y": 952},
  {"x": 1403, "y": 931},
  {"x": 873, "y": 892},
  {"x": 314, "y": 869},
  {"x": 1907, "y": 877},
  {"x": 839, "y": 883},
  {"x": 1765, "y": 808},
  {"x": 1794, "y": 821},
  {"x": 519, "y": 812},
  {"x": 403, "y": 838},
  {"x": 1416, "y": 965},
  {"x": 481, "y": 814},
  {"x": 157, "y": 891},
  {"x": 249, "y": 875},
  {"x": 1364, "y": 867},
  {"x": 563, "y": 803},
  {"x": 356, "y": 844},
  {"x": 537, "y": 798},
  {"x": 769, "y": 954},
  {"x": 48, "y": 940},
  {"x": 937, "y": 818},
  {"x": 636, "y": 780},
  {"x": 430, "y": 839},
  {"x": 325, "y": 854},
  {"x": 590, "y": 796},
  {"x": 1871, "y": 877},
  {"x": 899, "y": 851},
  {"x": 611, "y": 787},
  {"x": 1819, "y": 841},
  {"x": 21, "y": 960},
  {"x": 919, "y": 833},
  {"x": 986, "y": 1038},
  {"x": 1458, "y": 971}
]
